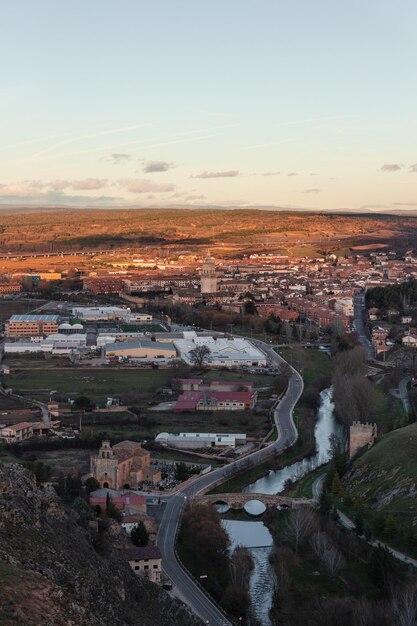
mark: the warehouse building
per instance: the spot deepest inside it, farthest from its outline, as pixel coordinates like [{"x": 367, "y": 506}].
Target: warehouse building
[
  {"x": 235, "y": 352},
  {"x": 201, "y": 440},
  {"x": 150, "y": 350}
]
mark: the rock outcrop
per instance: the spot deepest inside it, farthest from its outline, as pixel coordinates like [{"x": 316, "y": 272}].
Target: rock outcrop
[{"x": 59, "y": 569}]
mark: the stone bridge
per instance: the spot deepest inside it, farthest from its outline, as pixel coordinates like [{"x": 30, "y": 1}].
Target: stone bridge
[{"x": 238, "y": 500}]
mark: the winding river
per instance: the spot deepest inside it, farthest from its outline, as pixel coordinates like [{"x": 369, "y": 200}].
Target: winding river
[{"x": 254, "y": 537}]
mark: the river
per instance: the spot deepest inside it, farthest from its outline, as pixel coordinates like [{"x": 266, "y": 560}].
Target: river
[{"x": 262, "y": 580}]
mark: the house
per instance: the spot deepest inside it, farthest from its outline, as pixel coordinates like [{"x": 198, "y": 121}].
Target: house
[
  {"x": 124, "y": 466},
  {"x": 145, "y": 561},
  {"x": 133, "y": 519},
  {"x": 16, "y": 433}
]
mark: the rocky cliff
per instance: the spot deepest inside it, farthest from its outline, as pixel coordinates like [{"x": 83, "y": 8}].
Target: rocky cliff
[{"x": 58, "y": 569}]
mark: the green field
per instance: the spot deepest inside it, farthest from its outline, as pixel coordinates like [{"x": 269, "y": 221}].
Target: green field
[{"x": 130, "y": 385}]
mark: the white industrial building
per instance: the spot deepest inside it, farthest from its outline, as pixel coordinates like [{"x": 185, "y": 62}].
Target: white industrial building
[
  {"x": 55, "y": 344},
  {"x": 201, "y": 440},
  {"x": 236, "y": 352},
  {"x": 107, "y": 313}
]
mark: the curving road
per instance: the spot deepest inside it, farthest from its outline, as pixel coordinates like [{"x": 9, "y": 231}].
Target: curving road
[
  {"x": 192, "y": 594},
  {"x": 359, "y": 307}
]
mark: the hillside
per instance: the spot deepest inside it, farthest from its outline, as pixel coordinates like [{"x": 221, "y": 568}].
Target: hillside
[
  {"x": 290, "y": 233},
  {"x": 385, "y": 476},
  {"x": 56, "y": 569}
]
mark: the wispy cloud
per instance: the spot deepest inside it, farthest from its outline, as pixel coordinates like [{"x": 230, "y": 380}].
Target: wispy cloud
[
  {"x": 102, "y": 133},
  {"x": 292, "y": 174},
  {"x": 391, "y": 167},
  {"x": 271, "y": 173},
  {"x": 157, "y": 166},
  {"x": 144, "y": 186},
  {"x": 178, "y": 138},
  {"x": 413, "y": 168},
  {"x": 312, "y": 191},
  {"x": 225, "y": 174},
  {"x": 119, "y": 157}
]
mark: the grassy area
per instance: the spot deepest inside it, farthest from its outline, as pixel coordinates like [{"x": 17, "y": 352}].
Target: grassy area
[
  {"x": 62, "y": 461},
  {"x": 6, "y": 456},
  {"x": 386, "y": 474},
  {"x": 315, "y": 365},
  {"x": 130, "y": 385},
  {"x": 303, "y": 488}
]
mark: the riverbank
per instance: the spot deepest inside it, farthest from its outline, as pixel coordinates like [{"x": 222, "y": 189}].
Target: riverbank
[{"x": 316, "y": 368}]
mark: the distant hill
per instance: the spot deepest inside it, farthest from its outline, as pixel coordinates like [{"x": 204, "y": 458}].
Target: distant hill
[{"x": 286, "y": 232}]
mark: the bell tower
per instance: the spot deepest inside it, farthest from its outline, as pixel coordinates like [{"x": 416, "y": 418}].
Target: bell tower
[{"x": 208, "y": 275}]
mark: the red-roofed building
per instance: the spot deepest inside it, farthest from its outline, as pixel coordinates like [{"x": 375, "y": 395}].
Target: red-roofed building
[
  {"x": 191, "y": 401},
  {"x": 121, "y": 499}
]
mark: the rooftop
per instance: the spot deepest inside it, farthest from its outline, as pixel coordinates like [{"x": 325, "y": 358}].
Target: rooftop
[{"x": 34, "y": 318}]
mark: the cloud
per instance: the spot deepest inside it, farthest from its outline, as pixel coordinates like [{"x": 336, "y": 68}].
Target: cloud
[
  {"x": 87, "y": 184},
  {"x": 157, "y": 166},
  {"x": 144, "y": 186},
  {"x": 391, "y": 167},
  {"x": 225, "y": 174},
  {"x": 413, "y": 168},
  {"x": 312, "y": 191},
  {"x": 271, "y": 173},
  {"x": 292, "y": 174},
  {"x": 119, "y": 157}
]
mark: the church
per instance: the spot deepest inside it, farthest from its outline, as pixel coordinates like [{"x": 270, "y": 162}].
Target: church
[{"x": 123, "y": 466}]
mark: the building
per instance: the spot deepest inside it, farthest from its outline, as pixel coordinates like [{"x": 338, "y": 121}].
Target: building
[
  {"x": 57, "y": 344},
  {"x": 31, "y": 325},
  {"x": 104, "y": 285},
  {"x": 361, "y": 435},
  {"x": 201, "y": 440},
  {"x": 15, "y": 433},
  {"x": 145, "y": 561},
  {"x": 150, "y": 350},
  {"x": 208, "y": 276},
  {"x": 131, "y": 520},
  {"x": 124, "y": 466},
  {"x": 191, "y": 401},
  {"x": 123, "y": 500},
  {"x": 10, "y": 288},
  {"x": 234, "y": 352},
  {"x": 99, "y": 313}
]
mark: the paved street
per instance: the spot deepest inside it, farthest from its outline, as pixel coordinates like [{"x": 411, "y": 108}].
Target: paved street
[
  {"x": 287, "y": 435},
  {"x": 359, "y": 307}
]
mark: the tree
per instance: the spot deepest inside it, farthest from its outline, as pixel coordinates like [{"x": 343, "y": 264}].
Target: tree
[
  {"x": 358, "y": 524},
  {"x": 301, "y": 524},
  {"x": 181, "y": 471},
  {"x": 111, "y": 509},
  {"x": 199, "y": 355},
  {"x": 82, "y": 403},
  {"x": 139, "y": 535},
  {"x": 91, "y": 484}
]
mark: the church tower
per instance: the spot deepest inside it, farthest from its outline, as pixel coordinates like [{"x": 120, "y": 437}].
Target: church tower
[
  {"x": 104, "y": 466},
  {"x": 208, "y": 275}
]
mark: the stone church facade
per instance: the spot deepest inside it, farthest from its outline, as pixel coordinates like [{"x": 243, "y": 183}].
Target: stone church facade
[{"x": 123, "y": 466}]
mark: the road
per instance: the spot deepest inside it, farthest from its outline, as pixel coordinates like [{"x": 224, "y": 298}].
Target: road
[
  {"x": 192, "y": 594},
  {"x": 359, "y": 307}
]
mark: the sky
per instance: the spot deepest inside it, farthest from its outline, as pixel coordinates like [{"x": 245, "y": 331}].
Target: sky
[{"x": 286, "y": 103}]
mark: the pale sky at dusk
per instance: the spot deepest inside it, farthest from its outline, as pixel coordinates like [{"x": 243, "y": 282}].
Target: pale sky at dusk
[{"x": 290, "y": 103}]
